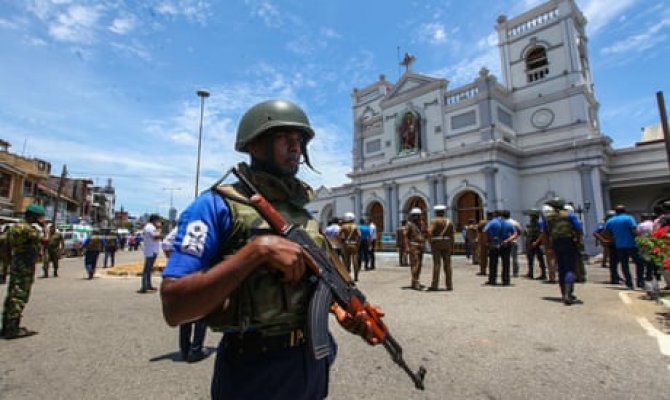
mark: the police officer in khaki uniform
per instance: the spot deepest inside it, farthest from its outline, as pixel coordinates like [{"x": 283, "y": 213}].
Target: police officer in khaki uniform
[
  {"x": 441, "y": 239},
  {"x": 415, "y": 237},
  {"x": 400, "y": 237},
  {"x": 350, "y": 236},
  {"x": 483, "y": 245}
]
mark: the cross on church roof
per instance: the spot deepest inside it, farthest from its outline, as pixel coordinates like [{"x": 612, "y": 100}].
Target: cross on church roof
[{"x": 407, "y": 61}]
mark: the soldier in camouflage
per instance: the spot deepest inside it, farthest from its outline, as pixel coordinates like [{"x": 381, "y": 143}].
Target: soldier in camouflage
[
  {"x": 54, "y": 249},
  {"x": 226, "y": 264},
  {"x": 5, "y": 255},
  {"x": 25, "y": 240}
]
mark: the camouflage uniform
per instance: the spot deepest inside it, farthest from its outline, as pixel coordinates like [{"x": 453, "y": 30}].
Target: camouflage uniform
[
  {"x": 5, "y": 257},
  {"x": 54, "y": 252},
  {"x": 24, "y": 240}
]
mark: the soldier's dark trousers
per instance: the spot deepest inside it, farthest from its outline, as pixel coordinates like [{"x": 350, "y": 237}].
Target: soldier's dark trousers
[
  {"x": 109, "y": 255},
  {"x": 186, "y": 345},
  {"x": 289, "y": 373},
  {"x": 90, "y": 262},
  {"x": 531, "y": 254},
  {"x": 565, "y": 252}
]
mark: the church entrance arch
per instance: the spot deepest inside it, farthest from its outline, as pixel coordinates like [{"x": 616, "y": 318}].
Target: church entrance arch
[
  {"x": 376, "y": 215},
  {"x": 468, "y": 206}
]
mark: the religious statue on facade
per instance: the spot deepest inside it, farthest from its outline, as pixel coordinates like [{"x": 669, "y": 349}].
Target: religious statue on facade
[{"x": 409, "y": 132}]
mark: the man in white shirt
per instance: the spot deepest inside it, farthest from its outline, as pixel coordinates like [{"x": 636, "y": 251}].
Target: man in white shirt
[
  {"x": 333, "y": 234},
  {"x": 373, "y": 243},
  {"x": 151, "y": 236},
  {"x": 515, "y": 243}
]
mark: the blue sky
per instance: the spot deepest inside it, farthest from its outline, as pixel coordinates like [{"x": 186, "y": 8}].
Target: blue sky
[{"x": 109, "y": 87}]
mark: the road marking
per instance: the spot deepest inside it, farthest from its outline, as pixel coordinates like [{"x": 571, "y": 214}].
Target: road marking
[
  {"x": 662, "y": 338},
  {"x": 624, "y": 297}
]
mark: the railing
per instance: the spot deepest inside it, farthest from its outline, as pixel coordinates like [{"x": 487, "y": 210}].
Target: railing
[
  {"x": 533, "y": 23},
  {"x": 461, "y": 95}
]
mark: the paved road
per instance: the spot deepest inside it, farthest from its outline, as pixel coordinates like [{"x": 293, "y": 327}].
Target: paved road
[{"x": 101, "y": 340}]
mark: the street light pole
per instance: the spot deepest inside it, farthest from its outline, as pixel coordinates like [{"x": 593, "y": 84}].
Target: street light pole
[
  {"x": 203, "y": 94},
  {"x": 171, "y": 189}
]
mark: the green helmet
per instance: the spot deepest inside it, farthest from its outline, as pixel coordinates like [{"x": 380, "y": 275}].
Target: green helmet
[
  {"x": 557, "y": 203},
  {"x": 268, "y": 115}
]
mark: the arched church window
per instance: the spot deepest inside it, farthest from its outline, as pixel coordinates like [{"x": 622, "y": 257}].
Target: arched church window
[{"x": 537, "y": 64}]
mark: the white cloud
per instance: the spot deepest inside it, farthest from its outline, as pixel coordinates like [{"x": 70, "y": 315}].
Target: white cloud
[
  {"x": 134, "y": 50},
  {"x": 122, "y": 25},
  {"x": 193, "y": 10},
  {"x": 641, "y": 41},
  {"x": 330, "y": 33},
  {"x": 35, "y": 41},
  {"x": 432, "y": 32},
  {"x": 7, "y": 24},
  {"x": 267, "y": 12},
  {"x": 600, "y": 13},
  {"x": 467, "y": 69},
  {"x": 77, "y": 24}
]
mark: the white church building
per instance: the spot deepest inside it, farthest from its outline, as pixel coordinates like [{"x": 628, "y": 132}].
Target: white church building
[{"x": 495, "y": 144}]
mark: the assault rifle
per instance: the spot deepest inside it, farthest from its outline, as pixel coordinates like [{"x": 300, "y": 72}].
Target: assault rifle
[{"x": 331, "y": 287}]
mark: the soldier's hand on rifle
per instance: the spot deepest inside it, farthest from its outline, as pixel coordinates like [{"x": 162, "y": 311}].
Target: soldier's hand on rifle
[
  {"x": 359, "y": 324},
  {"x": 282, "y": 255}
]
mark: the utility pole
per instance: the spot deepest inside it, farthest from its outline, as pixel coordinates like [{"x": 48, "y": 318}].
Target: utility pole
[
  {"x": 203, "y": 94},
  {"x": 172, "y": 213},
  {"x": 171, "y": 189},
  {"x": 664, "y": 124},
  {"x": 61, "y": 182}
]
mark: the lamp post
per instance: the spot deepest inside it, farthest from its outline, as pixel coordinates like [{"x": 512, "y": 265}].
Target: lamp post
[
  {"x": 203, "y": 94},
  {"x": 172, "y": 212},
  {"x": 583, "y": 210}
]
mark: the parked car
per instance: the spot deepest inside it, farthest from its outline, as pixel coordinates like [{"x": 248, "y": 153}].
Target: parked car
[{"x": 73, "y": 243}]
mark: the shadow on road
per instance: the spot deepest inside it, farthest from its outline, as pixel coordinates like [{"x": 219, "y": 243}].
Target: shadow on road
[{"x": 175, "y": 356}]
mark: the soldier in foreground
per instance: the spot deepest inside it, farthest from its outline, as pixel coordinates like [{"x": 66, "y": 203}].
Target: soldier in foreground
[
  {"x": 225, "y": 260},
  {"x": 25, "y": 240}
]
